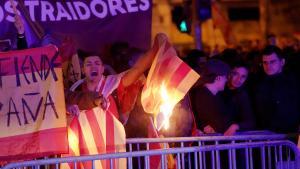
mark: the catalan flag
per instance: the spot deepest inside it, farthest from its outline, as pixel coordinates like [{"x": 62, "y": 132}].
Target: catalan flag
[
  {"x": 93, "y": 132},
  {"x": 170, "y": 72}
]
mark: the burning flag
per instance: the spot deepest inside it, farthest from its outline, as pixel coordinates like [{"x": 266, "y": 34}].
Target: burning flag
[{"x": 167, "y": 83}]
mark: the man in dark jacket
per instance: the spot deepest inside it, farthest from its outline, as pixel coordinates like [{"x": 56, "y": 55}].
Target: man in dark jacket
[
  {"x": 277, "y": 96},
  {"x": 208, "y": 106}
]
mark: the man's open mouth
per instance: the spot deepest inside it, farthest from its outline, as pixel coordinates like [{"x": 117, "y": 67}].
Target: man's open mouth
[{"x": 94, "y": 74}]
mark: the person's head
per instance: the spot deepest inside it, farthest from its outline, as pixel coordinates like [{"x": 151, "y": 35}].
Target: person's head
[
  {"x": 215, "y": 75},
  {"x": 272, "y": 60},
  {"x": 237, "y": 76},
  {"x": 92, "y": 66}
]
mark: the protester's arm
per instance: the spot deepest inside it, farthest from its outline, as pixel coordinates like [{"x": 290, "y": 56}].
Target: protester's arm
[
  {"x": 143, "y": 63},
  {"x": 21, "y": 39}
]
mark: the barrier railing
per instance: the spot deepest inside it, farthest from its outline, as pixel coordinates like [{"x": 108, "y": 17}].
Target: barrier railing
[
  {"x": 265, "y": 157},
  {"x": 207, "y": 152}
]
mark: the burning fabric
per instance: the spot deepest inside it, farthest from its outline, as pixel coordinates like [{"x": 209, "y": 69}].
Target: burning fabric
[{"x": 167, "y": 83}]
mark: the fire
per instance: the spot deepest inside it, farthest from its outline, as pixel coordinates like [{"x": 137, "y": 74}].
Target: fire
[{"x": 167, "y": 105}]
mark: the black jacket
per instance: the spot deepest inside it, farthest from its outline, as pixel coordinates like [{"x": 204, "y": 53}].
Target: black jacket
[
  {"x": 277, "y": 104},
  {"x": 210, "y": 110},
  {"x": 239, "y": 108}
]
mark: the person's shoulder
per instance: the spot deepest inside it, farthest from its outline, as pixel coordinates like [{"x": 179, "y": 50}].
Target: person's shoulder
[
  {"x": 202, "y": 92},
  {"x": 291, "y": 79}
]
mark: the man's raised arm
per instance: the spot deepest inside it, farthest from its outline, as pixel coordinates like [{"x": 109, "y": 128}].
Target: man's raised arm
[{"x": 144, "y": 62}]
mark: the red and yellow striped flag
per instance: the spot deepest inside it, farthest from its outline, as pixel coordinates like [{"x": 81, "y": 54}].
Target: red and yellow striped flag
[
  {"x": 96, "y": 132},
  {"x": 170, "y": 73}
]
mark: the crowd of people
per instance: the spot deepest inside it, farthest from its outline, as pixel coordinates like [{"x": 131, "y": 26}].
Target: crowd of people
[
  {"x": 237, "y": 91},
  {"x": 232, "y": 95},
  {"x": 256, "y": 90}
]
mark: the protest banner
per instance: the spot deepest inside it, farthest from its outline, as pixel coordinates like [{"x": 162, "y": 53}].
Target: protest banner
[
  {"x": 32, "y": 106},
  {"x": 93, "y": 24}
]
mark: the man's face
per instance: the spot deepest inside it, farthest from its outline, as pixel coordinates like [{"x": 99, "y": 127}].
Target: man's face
[
  {"x": 237, "y": 77},
  {"x": 272, "y": 64},
  {"x": 93, "y": 68}
]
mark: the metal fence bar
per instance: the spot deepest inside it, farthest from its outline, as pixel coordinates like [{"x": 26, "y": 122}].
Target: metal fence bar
[
  {"x": 165, "y": 157},
  {"x": 233, "y": 155},
  {"x": 200, "y": 156},
  {"x": 111, "y": 163},
  {"x": 263, "y": 158},
  {"x": 269, "y": 158},
  {"x": 147, "y": 163},
  {"x": 288, "y": 158},
  {"x": 190, "y": 161},
  {"x": 275, "y": 153},
  {"x": 130, "y": 159},
  {"x": 280, "y": 157},
  {"x": 230, "y": 158},
  {"x": 93, "y": 164},
  {"x": 195, "y": 160},
  {"x": 213, "y": 163},
  {"x": 217, "y": 156},
  {"x": 139, "y": 158},
  {"x": 251, "y": 158},
  {"x": 247, "y": 158},
  {"x": 75, "y": 165},
  {"x": 163, "y": 161},
  {"x": 178, "y": 162},
  {"x": 57, "y": 166},
  {"x": 182, "y": 156}
]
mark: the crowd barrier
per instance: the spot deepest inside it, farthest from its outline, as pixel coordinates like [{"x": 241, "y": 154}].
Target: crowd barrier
[{"x": 250, "y": 151}]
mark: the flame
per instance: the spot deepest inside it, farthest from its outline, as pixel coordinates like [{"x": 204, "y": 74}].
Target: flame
[{"x": 167, "y": 105}]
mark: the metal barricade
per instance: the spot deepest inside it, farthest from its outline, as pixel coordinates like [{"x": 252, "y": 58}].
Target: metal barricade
[
  {"x": 266, "y": 157},
  {"x": 208, "y": 152}
]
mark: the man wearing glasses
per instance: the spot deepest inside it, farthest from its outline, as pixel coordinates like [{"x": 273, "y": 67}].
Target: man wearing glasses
[{"x": 277, "y": 96}]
